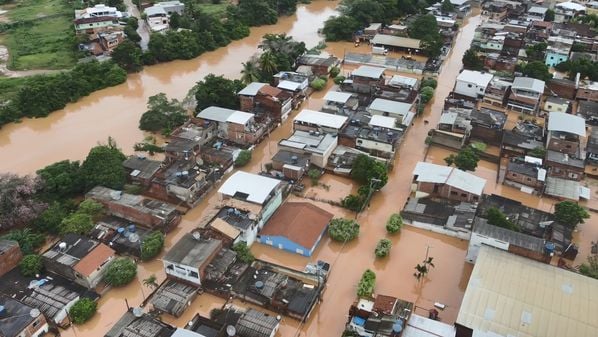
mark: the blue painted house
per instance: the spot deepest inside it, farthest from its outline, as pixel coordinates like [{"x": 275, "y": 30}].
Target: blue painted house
[{"x": 296, "y": 227}]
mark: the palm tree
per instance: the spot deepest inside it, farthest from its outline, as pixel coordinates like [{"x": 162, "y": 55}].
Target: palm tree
[
  {"x": 268, "y": 63},
  {"x": 250, "y": 72},
  {"x": 151, "y": 282}
]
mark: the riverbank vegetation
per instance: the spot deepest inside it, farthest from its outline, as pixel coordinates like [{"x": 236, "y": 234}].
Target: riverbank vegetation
[{"x": 162, "y": 115}]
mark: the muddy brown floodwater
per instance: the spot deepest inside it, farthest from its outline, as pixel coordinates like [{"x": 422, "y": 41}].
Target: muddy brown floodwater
[{"x": 115, "y": 111}]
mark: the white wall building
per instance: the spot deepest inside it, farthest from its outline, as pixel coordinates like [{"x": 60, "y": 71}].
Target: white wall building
[{"x": 472, "y": 83}]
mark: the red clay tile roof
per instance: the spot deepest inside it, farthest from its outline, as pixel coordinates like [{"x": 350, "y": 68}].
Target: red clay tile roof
[
  {"x": 384, "y": 304},
  {"x": 93, "y": 260},
  {"x": 300, "y": 222},
  {"x": 270, "y": 90}
]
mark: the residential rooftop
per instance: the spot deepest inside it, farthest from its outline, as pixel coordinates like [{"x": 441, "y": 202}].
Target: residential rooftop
[
  {"x": 154, "y": 207},
  {"x": 191, "y": 251},
  {"x": 564, "y": 122},
  {"x": 440, "y": 174},
  {"x": 250, "y": 187},
  {"x": 320, "y": 118}
]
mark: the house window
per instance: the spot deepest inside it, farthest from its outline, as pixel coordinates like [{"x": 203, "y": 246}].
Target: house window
[
  {"x": 573, "y": 175},
  {"x": 568, "y": 146},
  {"x": 454, "y": 193},
  {"x": 193, "y": 274},
  {"x": 299, "y": 251},
  {"x": 514, "y": 175},
  {"x": 475, "y": 198},
  {"x": 464, "y": 195},
  {"x": 469, "y": 85},
  {"x": 35, "y": 323}
]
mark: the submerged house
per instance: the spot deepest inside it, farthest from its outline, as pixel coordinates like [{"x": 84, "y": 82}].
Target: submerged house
[{"x": 447, "y": 182}]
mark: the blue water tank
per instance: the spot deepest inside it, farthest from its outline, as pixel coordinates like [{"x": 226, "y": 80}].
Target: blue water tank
[
  {"x": 120, "y": 230},
  {"x": 549, "y": 247},
  {"x": 132, "y": 228}
]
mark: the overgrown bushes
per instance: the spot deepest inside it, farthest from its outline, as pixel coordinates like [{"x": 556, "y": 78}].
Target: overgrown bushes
[
  {"x": 383, "y": 248},
  {"x": 243, "y": 158},
  {"x": 365, "y": 287},
  {"x": 120, "y": 272},
  {"x": 152, "y": 245},
  {"x": 82, "y": 311},
  {"x": 31, "y": 265},
  {"x": 243, "y": 252},
  {"x": 343, "y": 230},
  {"x": 394, "y": 223}
]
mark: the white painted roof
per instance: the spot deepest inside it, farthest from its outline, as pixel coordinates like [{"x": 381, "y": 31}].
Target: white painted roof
[
  {"x": 419, "y": 326},
  {"x": 570, "y": 5},
  {"x": 538, "y": 10},
  {"x": 337, "y": 96},
  {"x": 528, "y": 83},
  {"x": 396, "y": 41},
  {"x": 383, "y": 122},
  {"x": 475, "y": 77},
  {"x": 385, "y": 105},
  {"x": 458, "y": 2},
  {"x": 251, "y": 89},
  {"x": 257, "y": 187},
  {"x": 289, "y": 85},
  {"x": 510, "y": 295},
  {"x": 402, "y": 80},
  {"x": 367, "y": 71},
  {"x": 222, "y": 115},
  {"x": 439, "y": 174},
  {"x": 321, "y": 119},
  {"x": 564, "y": 122},
  {"x": 155, "y": 10},
  {"x": 448, "y": 118}
]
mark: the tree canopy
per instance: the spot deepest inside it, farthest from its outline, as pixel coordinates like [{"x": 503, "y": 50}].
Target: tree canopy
[
  {"x": 590, "y": 267},
  {"x": 537, "y": 70},
  {"x": 103, "y": 166},
  {"x": 152, "y": 245},
  {"x": 570, "y": 213},
  {"x": 343, "y": 230},
  {"x": 426, "y": 29},
  {"x": 217, "y": 91},
  {"x": 128, "y": 56},
  {"x": 394, "y": 223},
  {"x": 83, "y": 310},
  {"x": 367, "y": 283},
  {"x": 18, "y": 205},
  {"x": 472, "y": 61},
  {"x": 340, "y": 28},
  {"x": 243, "y": 252},
  {"x": 29, "y": 240},
  {"x": 31, "y": 265},
  {"x": 466, "y": 160},
  {"x": 120, "y": 272},
  {"x": 383, "y": 248},
  {"x": 365, "y": 169},
  {"x": 162, "y": 114},
  {"x": 584, "y": 66},
  {"x": 61, "y": 180}
]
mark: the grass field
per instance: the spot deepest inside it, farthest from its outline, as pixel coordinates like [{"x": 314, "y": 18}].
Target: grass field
[{"x": 47, "y": 42}]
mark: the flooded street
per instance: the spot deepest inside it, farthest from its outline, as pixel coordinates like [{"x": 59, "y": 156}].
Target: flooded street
[{"x": 71, "y": 132}]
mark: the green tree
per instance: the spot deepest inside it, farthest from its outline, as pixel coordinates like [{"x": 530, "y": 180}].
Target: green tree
[
  {"x": 365, "y": 169},
  {"x": 152, "y": 245},
  {"x": 394, "y": 223},
  {"x": 422, "y": 26},
  {"x": 367, "y": 283},
  {"x": 549, "y": 16},
  {"x": 250, "y": 72},
  {"x": 536, "y": 51},
  {"x": 243, "y": 158},
  {"x": 120, "y": 272},
  {"x": 383, "y": 248},
  {"x": 61, "y": 180},
  {"x": 570, "y": 213},
  {"x": 128, "y": 56},
  {"x": 353, "y": 202},
  {"x": 258, "y": 12},
  {"x": 447, "y": 6},
  {"x": 472, "y": 61},
  {"x": 31, "y": 265},
  {"x": 590, "y": 267},
  {"x": 421, "y": 270},
  {"x": 429, "y": 82},
  {"x": 466, "y": 160},
  {"x": 162, "y": 114},
  {"x": 76, "y": 223},
  {"x": 334, "y": 72},
  {"x": 318, "y": 84},
  {"x": 537, "y": 70},
  {"x": 343, "y": 230},
  {"x": 103, "y": 166},
  {"x": 314, "y": 175},
  {"x": 82, "y": 311},
  {"x": 268, "y": 64},
  {"x": 243, "y": 252},
  {"x": 29, "y": 241},
  {"x": 50, "y": 219},
  {"x": 92, "y": 208},
  {"x": 217, "y": 91},
  {"x": 538, "y": 152},
  {"x": 497, "y": 218},
  {"x": 151, "y": 282},
  {"x": 426, "y": 94},
  {"x": 340, "y": 28}
]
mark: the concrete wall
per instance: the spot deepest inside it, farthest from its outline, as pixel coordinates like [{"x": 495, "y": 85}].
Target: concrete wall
[
  {"x": 284, "y": 243},
  {"x": 447, "y": 192},
  {"x": 375, "y": 146},
  {"x": 477, "y": 240},
  {"x": 469, "y": 89},
  {"x": 523, "y": 179},
  {"x": 10, "y": 259}
]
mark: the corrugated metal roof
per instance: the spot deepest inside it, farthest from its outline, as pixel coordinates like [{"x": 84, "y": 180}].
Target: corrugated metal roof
[
  {"x": 252, "y": 89},
  {"x": 509, "y": 295},
  {"x": 438, "y": 174},
  {"x": 564, "y": 122},
  {"x": 528, "y": 83},
  {"x": 384, "y": 122},
  {"x": 369, "y": 72},
  {"x": 385, "y": 105},
  {"x": 476, "y": 77},
  {"x": 396, "y": 41},
  {"x": 337, "y": 96}
]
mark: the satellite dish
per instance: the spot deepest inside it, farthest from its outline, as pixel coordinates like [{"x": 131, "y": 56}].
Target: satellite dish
[
  {"x": 137, "y": 312},
  {"x": 34, "y": 313},
  {"x": 231, "y": 331}
]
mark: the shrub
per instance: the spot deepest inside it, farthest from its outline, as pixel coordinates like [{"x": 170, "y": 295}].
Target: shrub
[
  {"x": 243, "y": 158},
  {"x": 83, "y": 310},
  {"x": 430, "y": 82},
  {"x": 394, "y": 223},
  {"x": 365, "y": 287},
  {"x": 383, "y": 248},
  {"x": 31, "y": 265},
  {"x": 497, "y": 218},
  {"x": 120, "y": 272},
  {"x": 339, "y": 79},
  {"x": 152, "y": 245},
  {"x": 570, "y": 213},
  {"x": 343, "y": 229},
  {"x": 318, "y": 84},
  {"x": 426, "y": 94},
  {"x": 243, "y": 252},
  {"x": 314, "y": 175},
  {"x": 335, "y": 71}
]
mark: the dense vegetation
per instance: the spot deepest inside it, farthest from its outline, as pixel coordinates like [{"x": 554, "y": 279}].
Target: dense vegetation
[
  {"x": 583, "y": 66},
  {"x": 590, "y": 267},
  {"x": 243, "y": 252},
  {"x": 279, "y": 54},
  {"x": 82, "y": 220},
  {"x": 17, "y": 204},
  {"x": 82, "y": 311},
  {"x": 570, "y": 213},
  {"x": 162, "y": 115},
  {"x": 367, "y": 283},
  {"x": 356, "y": 14},
  {"x": 426, "y": 29},
  {"x": 535, "y": 69},
  {"x": 120, "y": 272},
  {"x": 394, "y": 223},
  {"x": 29, "y": 240},
  {"x": 37, "y": 96},
  {"x": 497, "y": 218},
  {"x": 466, "y": 159},
  {"x": 369, "y": 173},
  {"x": 343, "y": 230},
  {"x": 383, "y": 248},
  {"x": 31, "y": 265},
  {"x": 472, "y": 61},
  {"x": 103, "y": 166},
  {"x": 243, "y": 158},
  {"x": 152, "y": 245},
  {"x": 217, "y": 91}
]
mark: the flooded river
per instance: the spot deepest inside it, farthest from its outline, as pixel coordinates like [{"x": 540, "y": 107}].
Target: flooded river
[{"x": 115, "y": 111}]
